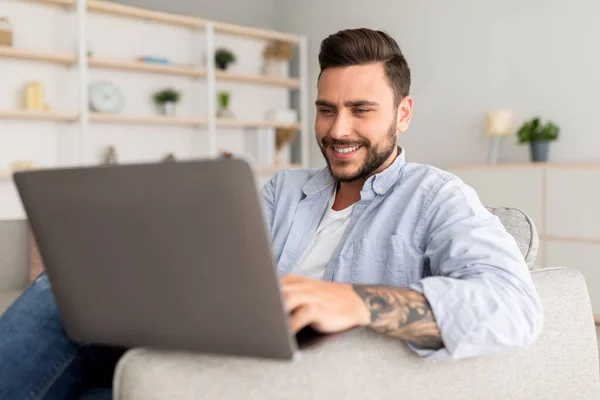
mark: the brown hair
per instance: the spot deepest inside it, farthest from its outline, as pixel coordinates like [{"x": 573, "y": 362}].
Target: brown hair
[{"x": 365, "y": 46}]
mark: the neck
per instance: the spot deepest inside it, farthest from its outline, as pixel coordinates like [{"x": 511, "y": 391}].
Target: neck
[{"x": 348, "y": 193}]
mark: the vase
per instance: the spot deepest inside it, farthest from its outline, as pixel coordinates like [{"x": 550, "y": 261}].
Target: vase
[
  {"x": 225, "y": 113},
  {"x": 273, "y": 67},
  {"x": 168, "y": 109},
  {"x": 539, "y": 150}
]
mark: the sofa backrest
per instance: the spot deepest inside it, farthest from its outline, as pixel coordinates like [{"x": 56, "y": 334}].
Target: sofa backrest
[{"x": 523, "y": 229}]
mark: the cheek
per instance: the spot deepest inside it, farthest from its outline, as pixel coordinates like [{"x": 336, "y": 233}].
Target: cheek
[
  {"x": 367, "y": 130},
  {"x": 322, "y": 127}
]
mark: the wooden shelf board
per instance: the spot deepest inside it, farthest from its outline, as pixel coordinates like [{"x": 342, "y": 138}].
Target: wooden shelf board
[
  {"x": 109, "y": 7},
  {"x": 570, "y": 239},
  {"x": 37, "y": 115},
  {"x": 32, "y": 55},
  {"x": 257, "y": 79},
  {"x": 537, "y": 165},
  {"x": 146, "y": 67},
  {"x": 255, "y": 33},
  {"x": 232, "y": 123},
  {"x": 148, "y": 120},
  {"x": 112, "y": 8},
  {"x": 274, "y": 168},
  {"x": 58, "y": 3}
]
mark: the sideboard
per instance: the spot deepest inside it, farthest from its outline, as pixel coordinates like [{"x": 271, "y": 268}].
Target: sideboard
[{"x": 564, "y": 202}]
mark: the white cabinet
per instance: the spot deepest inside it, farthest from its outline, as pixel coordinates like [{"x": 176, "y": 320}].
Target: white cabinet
[
  {"x": 582, "y": 257},
  {"x": 564, "y": 202},
  {"x": 510, "y": 187},
  {"x": 573, "y": 198}
]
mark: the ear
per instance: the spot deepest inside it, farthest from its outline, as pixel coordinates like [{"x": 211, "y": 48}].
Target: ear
[{"x": 405, "y": 110}]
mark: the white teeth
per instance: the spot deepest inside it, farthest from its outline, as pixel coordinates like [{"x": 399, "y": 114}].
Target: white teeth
[{"x": 345, "y": 149}]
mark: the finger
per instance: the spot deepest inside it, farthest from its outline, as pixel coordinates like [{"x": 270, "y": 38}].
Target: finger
[
  {"x": 287, "y": 288},
  {"x": 294, "y": 300},
  {"x": 287, "y": 279},
  {"x": 303, "y": 317}
]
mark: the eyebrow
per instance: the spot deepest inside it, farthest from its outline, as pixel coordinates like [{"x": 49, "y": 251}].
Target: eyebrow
[{"x": 353, "y": 103}]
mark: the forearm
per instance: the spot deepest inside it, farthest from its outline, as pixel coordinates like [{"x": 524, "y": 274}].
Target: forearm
[{"x": 402, "y": 313}]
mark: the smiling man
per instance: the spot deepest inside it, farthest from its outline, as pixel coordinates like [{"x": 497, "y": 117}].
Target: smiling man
[{"x": 372, "y": 240}]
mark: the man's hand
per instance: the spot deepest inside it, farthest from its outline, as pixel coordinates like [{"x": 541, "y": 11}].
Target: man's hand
[
  {"x": 327, "y": 307},
  {"x": 333, "y": 307}
]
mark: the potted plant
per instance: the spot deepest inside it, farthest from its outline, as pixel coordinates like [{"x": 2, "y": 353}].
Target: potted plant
[
  {"x": 539, "y": 136},
  {"x": 166, "y": 99},
  {"x": 223, "y": 58},
  {"x": 224, "y": 111},
  {"x": 275, "y": 55}
]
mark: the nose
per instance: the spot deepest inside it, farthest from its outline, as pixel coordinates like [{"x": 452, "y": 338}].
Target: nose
[{"x": 341, "y": 126}]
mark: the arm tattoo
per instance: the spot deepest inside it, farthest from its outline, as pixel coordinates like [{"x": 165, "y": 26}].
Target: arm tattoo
[{"x": 402, "y": 313}]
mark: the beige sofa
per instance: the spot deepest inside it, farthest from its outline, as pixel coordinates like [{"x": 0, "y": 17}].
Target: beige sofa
[
  {"x": 561, "y": 364},
  {"x": 14, "y": 261}
]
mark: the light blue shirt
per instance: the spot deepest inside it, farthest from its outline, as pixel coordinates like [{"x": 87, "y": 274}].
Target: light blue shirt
[{"x": 420, "y": 227}]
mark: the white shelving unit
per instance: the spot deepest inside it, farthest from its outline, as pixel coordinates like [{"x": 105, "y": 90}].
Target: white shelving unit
[
  {"x": 208, "y": 123},
  {"x": 67, "y": 64}
]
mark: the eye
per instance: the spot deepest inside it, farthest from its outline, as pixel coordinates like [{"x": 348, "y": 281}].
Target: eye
[
  {"x": 325, "y": 110},
  {"x": 361, "y": 110}
]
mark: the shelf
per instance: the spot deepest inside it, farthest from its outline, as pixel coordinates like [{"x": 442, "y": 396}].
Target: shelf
[
  {"x": 256, "y": 33},
  {"x": 147, "y": 120},
  {"x": 58, "y": 3},
  {"x": 258, "y": 79},
  {"x": 7, "y": 174},
  {"x": 274, "y": 168},
  {"x": 38, "y": 115},
  {"x": 232, "y": 123},
  {"x": 172, "y": 69},
  {"x": 569, "y": 239},
  {"x": 108, "y": 7},
  {"x": 140, "y": 119},
  {"x": 32, "y": 55},
  {"x": 112, "y": 8},
  {"x": 168, "y": 69},
  {"x": 530, "y": 165}
]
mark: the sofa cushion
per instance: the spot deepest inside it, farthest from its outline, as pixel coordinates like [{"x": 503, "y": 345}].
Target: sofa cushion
[
  {"x": 7, "y": 297},
  {"x": 522, "y": 229}
]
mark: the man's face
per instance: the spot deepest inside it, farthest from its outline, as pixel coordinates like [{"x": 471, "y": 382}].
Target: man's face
[{"x": 357, "y": 122}]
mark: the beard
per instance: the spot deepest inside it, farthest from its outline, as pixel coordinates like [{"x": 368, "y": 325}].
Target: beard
[{"x": 376, "y": 155}]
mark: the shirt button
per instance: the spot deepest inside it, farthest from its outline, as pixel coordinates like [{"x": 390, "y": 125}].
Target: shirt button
[{"x": 379, "y": 190}]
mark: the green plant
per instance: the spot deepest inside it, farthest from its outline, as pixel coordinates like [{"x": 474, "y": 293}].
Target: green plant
[
  {"x": 224, "y": 57},
  {"x": 167, "y": 95},
  {"x": 224, "y": 99},
  {"x": 534, "y": 130}
]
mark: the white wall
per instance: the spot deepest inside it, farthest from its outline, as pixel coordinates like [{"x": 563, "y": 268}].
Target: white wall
[{"x": 469, "y": 56}]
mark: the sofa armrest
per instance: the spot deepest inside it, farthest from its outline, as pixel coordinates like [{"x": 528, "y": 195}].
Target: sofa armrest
[
  {"x": 562, "y": 363},
  {"x": 14, "y": 255}
]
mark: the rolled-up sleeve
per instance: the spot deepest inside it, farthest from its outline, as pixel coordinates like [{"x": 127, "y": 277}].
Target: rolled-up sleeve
[{"x": 481, "y": 292}]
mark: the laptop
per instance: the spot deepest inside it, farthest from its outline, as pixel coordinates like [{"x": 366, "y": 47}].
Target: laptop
[{"x": 165, "y": 255}]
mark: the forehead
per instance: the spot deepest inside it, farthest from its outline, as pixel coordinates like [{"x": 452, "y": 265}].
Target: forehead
[{"x": 357, "y": 82}]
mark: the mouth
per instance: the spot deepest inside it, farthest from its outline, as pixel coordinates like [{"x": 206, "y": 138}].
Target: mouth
[{"x": 345, "y": 152}]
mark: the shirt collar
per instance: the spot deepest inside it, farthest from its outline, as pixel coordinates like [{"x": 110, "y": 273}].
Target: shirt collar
[{"x": 379, "y": 183}]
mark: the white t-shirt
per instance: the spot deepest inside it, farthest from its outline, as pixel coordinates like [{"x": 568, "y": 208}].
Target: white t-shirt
[{"x": 313, "y": 262}]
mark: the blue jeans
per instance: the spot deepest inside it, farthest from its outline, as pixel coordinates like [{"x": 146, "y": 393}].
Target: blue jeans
[{"x": 39, "y": 361}]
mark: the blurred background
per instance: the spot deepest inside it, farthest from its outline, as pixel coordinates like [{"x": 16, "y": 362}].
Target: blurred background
[{"x": 505, "y": 94}]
